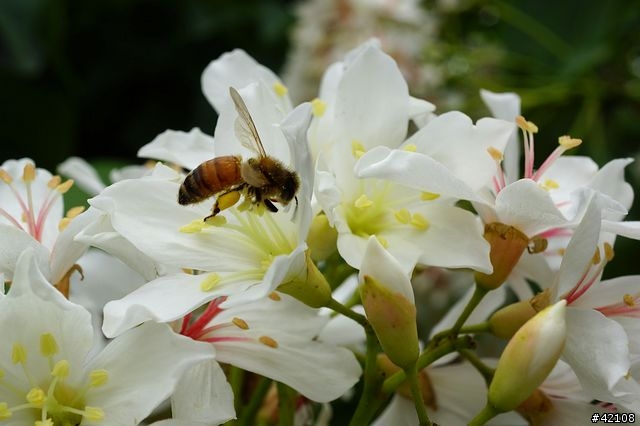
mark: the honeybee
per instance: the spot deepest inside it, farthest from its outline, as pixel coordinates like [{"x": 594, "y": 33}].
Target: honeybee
[{"x": 262, "y": 180}]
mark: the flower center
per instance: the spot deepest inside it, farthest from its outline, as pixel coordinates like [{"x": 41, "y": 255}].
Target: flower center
[
  {"x": 34, "y": 202},
  {"x": 52, "y": 400}
]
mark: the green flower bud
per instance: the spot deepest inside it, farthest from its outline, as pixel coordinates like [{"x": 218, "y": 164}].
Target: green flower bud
[
  {"x": 528, "y": 358},
  {"x": 311, "y": 288},
  {"x": 322, "y": 239}
]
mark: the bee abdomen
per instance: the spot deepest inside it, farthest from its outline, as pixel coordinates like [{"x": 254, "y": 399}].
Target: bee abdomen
[{"x": 209, "y": 178}]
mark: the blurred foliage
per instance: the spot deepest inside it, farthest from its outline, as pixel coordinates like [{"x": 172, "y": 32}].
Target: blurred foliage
[{"x": 99, "y": 79}]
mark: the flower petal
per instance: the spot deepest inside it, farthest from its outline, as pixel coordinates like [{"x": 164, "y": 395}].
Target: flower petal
[
  {"x": 187, "y": 150},
  {"x": 83, "y": 175}
]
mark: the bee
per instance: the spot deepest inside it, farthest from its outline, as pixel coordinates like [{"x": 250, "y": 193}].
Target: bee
[{"x": 262, "y": 180}]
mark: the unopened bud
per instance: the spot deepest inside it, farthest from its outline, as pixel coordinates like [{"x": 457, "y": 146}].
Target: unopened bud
[
  {"x": 311, "y": 288},
  {"x": 505, "y": 322},
  {"x": 507, "y": 245},
  {"x": 393, "y": 318},
  {"x": 528, "y": 359},
  {"x": 426, "y": 388}
]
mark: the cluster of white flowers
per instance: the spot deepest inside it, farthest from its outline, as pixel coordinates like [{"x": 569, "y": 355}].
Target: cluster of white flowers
[{"x": 238, "y": 316}]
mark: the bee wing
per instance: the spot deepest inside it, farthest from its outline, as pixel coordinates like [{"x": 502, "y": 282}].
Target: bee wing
[{"x": 245, "y": 128}]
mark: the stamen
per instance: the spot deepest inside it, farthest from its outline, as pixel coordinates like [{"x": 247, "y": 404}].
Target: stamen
[
  {"x": 549, "y": 184},
  {"x": 5, "y": 413},
  {"x": 363, "y": 202},
  {"x": 18, "y": 354},
  {"x": 567, "y": 142},
  {"x": 403, "y": 216},
  {"x": 429, "y": 196},
  {"x": 98, "y": 378},
  {"x": 268, "y": 341},
  {"x": 608, "y": 252},
  {"x": 357, "y": 149},
  {"x": 94, "y": 414},
  {"x": 210, "y": 282},
  {"x": 54, "y": 181},
  {"x": 383, "y": 241},
  {"x": 45, "y": 422},
  {"x": 36, "y": 397},
  {"x": 629, "y": 300},
  {"x": 410, "y": 147},
  {"x": 61, "y": 369},
  {"x": 29, "y": 173},
  {"x": 240, "y": 323},
  {"x": 48, "y": 345},
  {"x": 564, "y": 143},
  {"x": 420, "y": 222},
  {"x": 318, "y": 107},
  {"x": 5, "y": 177},
  {"x": 65, "y": 186},
  {"x": 596, "y": 257},
  {"x": 195, "y": 226},
  {"x": 280, "y": 89},
  {"x": 275, "y": 296},
  {"x": 499, "y": 181}
]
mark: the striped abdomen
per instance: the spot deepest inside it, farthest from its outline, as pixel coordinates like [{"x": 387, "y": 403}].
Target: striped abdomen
[{"x": 209, "y": 178}]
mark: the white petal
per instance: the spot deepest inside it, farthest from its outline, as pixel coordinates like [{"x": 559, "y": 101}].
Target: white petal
[
  {"x": 187, "y": 150},
  {"x": 596, "y": 348},
  {"x": 372, "y": 101},
  {"x": 203, "y": 395},
  {"x": 235, "y": 68},
  {"x": 454, "y": 141},
  {"x": 526, "y": 206},
  {"x": 421, "y": 111},
  {"x": 384, "y": 268},
  {"x": 414, "y": 170},
  {"x": 13, "y": 242},
  {"x": 319, "y": 371},
  {"x": 83, "y": 175},
  {"x": 162, "y": 300},
  {"x": 610, "y": 181},
  {"x": 630, "y": 229},
  {"x": 144, "y": 366}
]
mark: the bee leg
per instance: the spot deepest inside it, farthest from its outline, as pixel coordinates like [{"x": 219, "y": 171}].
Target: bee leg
[
  {"x": 270, "y": 205},
  {"x": 223, "y": 202}
]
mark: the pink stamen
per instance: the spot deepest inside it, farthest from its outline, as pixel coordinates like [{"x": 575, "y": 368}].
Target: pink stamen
[
  {"x": 584, "y": 284},
  {"x": 622, "y": 309},
  {"x": 555, "y": 232},
  {"x": 225, "y": 339},
  {"x": 528, "y": 154},
  {"x": 44, "y": 212},
  {"x": 549, "y": 162},
  {"x": 212, "y": 310},
  {"x": 10, "y": 218}
]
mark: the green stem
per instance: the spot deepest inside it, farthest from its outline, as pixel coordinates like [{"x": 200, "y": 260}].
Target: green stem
[
  {"x": 487, "y": 413},
  {"x": 286, "y": 407},
  {"x": 369, "y": 399},
  {"x": 481, "y": 327},
  {"x": 255, "y": 403},
  {"x": 421, "y": 409},
  {"x": 341, "y": 309},
  {"x": 426, "y": 359},
  {"x": 476, "y": 298},
  {"x": 484, "y": 369}
]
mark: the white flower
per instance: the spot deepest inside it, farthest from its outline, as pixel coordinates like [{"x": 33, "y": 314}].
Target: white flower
[
  {"x": 46, "y": 376},
  {"x": 365, "y": 104}
]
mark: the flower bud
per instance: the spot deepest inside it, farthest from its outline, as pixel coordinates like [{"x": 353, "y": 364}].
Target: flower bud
[
  {"x": 424, "y": 382},
  {"x": 506, "y": 321},
  {"x": 528, "y": 358},
  {"x": 393, "y": 318},
  {"x": 311, "y": 288},
  {"x": 507, "y": 245},
  {"x": 322, "y": 239}
]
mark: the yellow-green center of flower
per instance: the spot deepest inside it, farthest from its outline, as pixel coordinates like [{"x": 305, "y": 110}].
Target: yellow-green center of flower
[
  {"x": 51, "y": 399},
  {"x": 376, "y": 210}
]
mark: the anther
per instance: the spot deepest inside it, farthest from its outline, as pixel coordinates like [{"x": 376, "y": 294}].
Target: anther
[
  {"x": 64, "y": 186},
  {"x": 567, "y": 142},
  {"x": 363, "y": 202},
  {"x": 495, "y": 154},
  {"x": 429, "y": 196},
  {"x": 98, "y": 378},
  {"x": 210, "y": 282},
  {"x": 61, "y": 369},
  {"x": 36, "y": 397},
  {"x": 54, "y": 181},
  {"x": 5, "y": 177},
  {"x": 240, "y": 323},
  {"x": 29, "y": 172},
  {"x": 629, "y": 300},
  {"x": 18, "y": 354},
  {"x": 357, "y": 149},
  {"x": 403, "y": 216},
  {"x": 275, "y": 296},
  {"x": 268, "y": 341},
  {"x": 318, "y": 107},
  {"x": 280, "y": 89},
  {"x": 48, "y": 345}
]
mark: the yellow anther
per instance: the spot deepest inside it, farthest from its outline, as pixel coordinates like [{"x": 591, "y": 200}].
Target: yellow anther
[
  {"x": 318, "y": 107},
  {"x": 54, "y": 181},
  {"x": 420, "y": 222},
  {"x": 526, "y": 125},
  {"x": 61, "y": 369},
  {"x": 36, "y": 397},
  {"x": 94, "y": 414},
  {"x": 363, "y": 202},
  {"x": 403, "y": 216},
  {"x": 608, "y": 252},
  {"x": 275, "y": 296},
  {"x": 268, "y": 341},
  {"x": 5, "y": 413},
  {"x": 383, "y": 241},
  {"x": 596, "y": 257},
  {"x": 6, "y": 177},
  {"x": 280, "y": 89},
  {"x": 537, "y": 245},
  {"x": 29, "y": 172},
  {"x": 48, "y": 344},
  {"x": 215, "y": 221},
  {"x": 410, "y": 147},
  {"x": 561, "y": 251},
  {"x": 74, "y": 211},
  {"x": 629, "y": 300},
  {"x": 495, "y": 154},
  {"x": 429, "y": 196},
  {"x": 64, "y": 186},
  {"x": 18, "y": 354},
  {"x": 210, "y": 282},
  {"x": 266, "y": 263},
  {"x": 46, "y": 422},
  {"x": 240, "y": 323},
  {"x": 98, "y": 378},
  {"x": 194, "y": 227},
  {"x": 64, "y": 222},
  {"x": 550, "y": 184},
  {"x": 357, "y": 149},
  {"x": 567, "y": 142}
]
